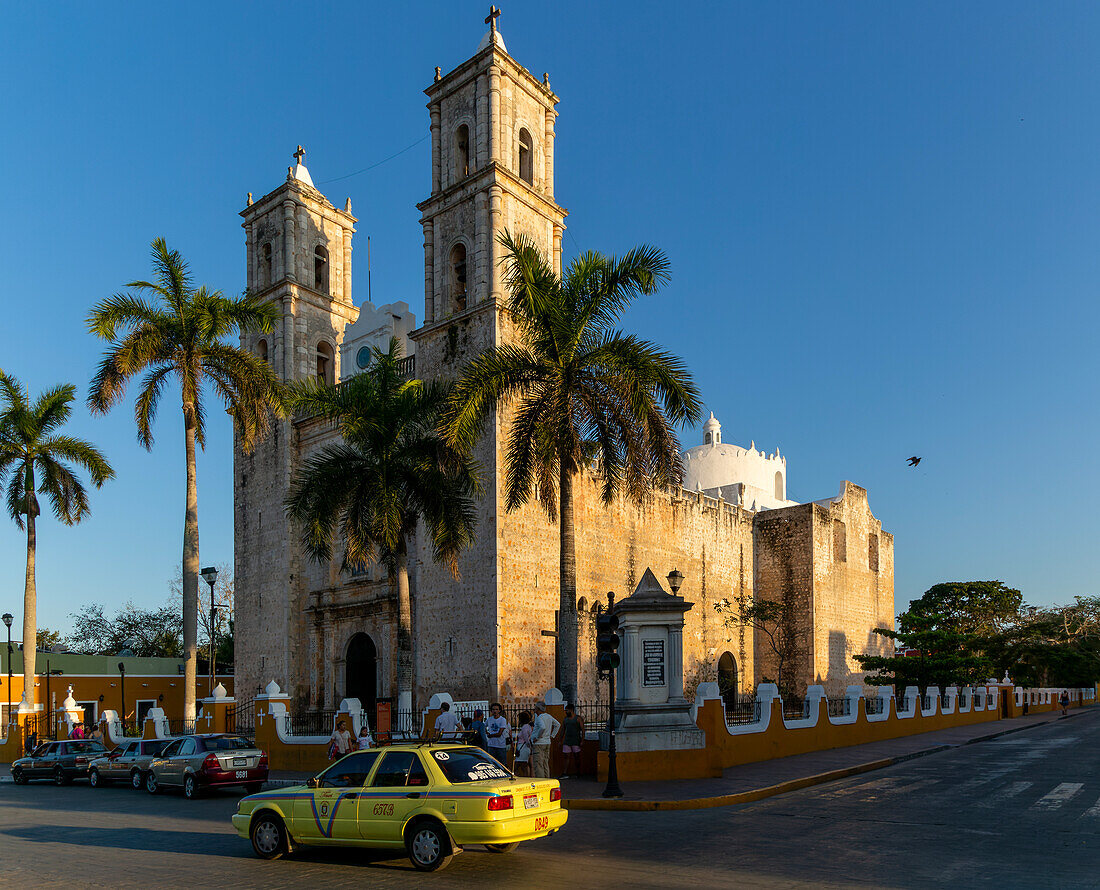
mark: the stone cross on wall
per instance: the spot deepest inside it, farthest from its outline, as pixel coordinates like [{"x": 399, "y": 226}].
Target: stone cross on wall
[{"x": 491, "y": 18}]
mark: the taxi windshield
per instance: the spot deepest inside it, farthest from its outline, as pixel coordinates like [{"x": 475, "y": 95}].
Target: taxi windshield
[{"x": 469, "y": 765}]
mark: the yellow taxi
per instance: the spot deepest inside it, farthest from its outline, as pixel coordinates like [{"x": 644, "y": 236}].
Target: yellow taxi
[{"x": 430, "y": 799}]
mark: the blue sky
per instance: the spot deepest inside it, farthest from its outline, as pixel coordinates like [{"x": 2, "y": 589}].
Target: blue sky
[{"x": 882, "y": 224}]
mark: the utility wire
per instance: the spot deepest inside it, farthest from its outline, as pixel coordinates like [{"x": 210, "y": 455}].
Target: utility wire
[{"x": 379, "y": 163}]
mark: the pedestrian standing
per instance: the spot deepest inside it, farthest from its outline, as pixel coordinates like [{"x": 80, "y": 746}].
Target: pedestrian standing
[
  {"x": 546, "y": 727},
  {"x": 97, "y": 734},
  {"x": 339, "y": 742},
  {"x": 523, "y": 744},
  {"x": 77, "y": 731},
  {"x": 572, "y": 732},
  {"x": 1065, "y": 702},
  {"x": 499, "y": 733},
  {"x": 478, "y": 733},
  {"x": 364, "y": 740},
  {"x": 447, "y": 725}
]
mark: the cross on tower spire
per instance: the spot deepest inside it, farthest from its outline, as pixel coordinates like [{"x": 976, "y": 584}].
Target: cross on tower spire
[
  {"x": 491, "y": 18},
  {"x": 299, "y": 155}
]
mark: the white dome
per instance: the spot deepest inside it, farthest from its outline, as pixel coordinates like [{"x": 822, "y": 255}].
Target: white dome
[{"x": 738, "y": 475}]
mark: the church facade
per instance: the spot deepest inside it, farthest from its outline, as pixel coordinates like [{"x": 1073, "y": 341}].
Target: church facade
[{"x": 323, "y": 633}]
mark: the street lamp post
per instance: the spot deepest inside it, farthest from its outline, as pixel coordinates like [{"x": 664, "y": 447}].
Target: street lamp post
[
  {"x": 122, "y": 691},
  {"x": 7, "y": 624},
  {"x": 210, "y": 576}
]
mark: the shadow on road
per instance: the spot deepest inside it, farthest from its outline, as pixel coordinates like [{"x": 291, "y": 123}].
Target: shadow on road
[{"x": 141, "y": 839}]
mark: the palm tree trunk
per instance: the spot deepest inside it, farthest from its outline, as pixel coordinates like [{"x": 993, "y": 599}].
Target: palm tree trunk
[
  {"x": 404, "y": 634},
  {"x": 567, "y": 586},
  {"x": 30, "y": 608},
  {"x": 190, "y": 571}
]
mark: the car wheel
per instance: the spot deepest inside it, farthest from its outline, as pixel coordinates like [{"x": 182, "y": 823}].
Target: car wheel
[
  {"x": 136, "y": 780},
  {"x": 151, "y": 783},
  {"x": 268, "y": 836},
  {"x": 93, "y": 778},
  {"x": 59, "y": 777},
  {"x": 253, "y": 787},
  {"x": 502, "y": 848},
  {"x": 429, "y": 846},
  {"x": 17, "y": 777},
  {"x": 191, "y": 788}
]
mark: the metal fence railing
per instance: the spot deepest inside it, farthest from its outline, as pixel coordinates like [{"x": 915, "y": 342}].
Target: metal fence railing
[
  {"x": 874, "y": 705},
  {"x": 838, "y": 707},
  {"x": 741, "y": 711},
  {"x": 241, "y": 720},
  {"x": 177, "y": 727}
]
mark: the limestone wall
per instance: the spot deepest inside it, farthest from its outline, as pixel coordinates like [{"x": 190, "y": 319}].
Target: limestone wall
[{"x": 853, "y": 584}]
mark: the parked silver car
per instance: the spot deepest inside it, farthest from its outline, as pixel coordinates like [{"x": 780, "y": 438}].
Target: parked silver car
[
  {"x": 127, "y": 763},
  {"x": 197, "y": 762}
]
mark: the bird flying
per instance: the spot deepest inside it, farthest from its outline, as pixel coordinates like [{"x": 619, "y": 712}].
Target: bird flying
[{"x": 914, "y": 460}]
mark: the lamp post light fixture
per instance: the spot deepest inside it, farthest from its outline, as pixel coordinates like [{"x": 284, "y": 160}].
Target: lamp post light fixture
[
  {"x": 675, "y": 580},
  {"x": 210, "y": 576}
]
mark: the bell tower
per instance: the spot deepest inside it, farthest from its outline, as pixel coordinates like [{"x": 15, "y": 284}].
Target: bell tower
[
  {"x": 298, "y": 256},
  {"x": 492, "y": 128}
]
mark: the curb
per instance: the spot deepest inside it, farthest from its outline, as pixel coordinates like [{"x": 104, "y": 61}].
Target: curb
[{"x": 724, "y": 800}]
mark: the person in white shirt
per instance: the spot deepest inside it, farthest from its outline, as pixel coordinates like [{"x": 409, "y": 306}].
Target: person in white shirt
[
  {"x": 365, "y": 741},
  {"x": 546, "y": 727},
  {"x": 339, "y": 743},
  {"x": 499, "y": 733},
  {"x": 447, "y": 727}
]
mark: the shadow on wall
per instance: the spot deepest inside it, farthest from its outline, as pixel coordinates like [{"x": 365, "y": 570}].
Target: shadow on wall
[{"x": 838, "y": 675}]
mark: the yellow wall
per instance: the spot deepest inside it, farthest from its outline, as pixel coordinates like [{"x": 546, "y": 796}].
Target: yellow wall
[{"x": 91, "y": 687}]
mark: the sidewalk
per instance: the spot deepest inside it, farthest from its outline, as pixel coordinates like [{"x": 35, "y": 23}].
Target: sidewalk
[{"x": 753, "y": 781}]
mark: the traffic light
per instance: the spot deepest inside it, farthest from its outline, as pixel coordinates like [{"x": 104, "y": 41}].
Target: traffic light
[{"x": 607, "y": 641}]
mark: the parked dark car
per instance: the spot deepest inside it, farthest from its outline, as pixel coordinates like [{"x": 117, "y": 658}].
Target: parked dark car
[
  {"x": 197, "y": 762},
  {"x": 60, "y": 761},
  {"x": 127, "y": 763}
]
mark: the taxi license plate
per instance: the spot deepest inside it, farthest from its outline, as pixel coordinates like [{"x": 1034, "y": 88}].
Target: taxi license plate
[
  {"x": 240, "y": 761},
  {"x": 531, "y": 802}
]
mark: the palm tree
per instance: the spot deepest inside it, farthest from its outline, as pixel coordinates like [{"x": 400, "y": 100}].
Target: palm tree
[
  {"x": 391, "y": 471},
  {"x": 583, "y": 394},
  {"x": 180, "y": 333},
  {"x": 31, "y": 448}
]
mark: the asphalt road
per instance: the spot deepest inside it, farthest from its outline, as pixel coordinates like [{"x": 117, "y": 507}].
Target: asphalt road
[{"x": 1020, "y": 811}]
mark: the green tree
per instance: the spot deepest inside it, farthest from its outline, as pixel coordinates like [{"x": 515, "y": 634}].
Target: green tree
[
  {"x": 981, "y": 608},
  {"x": 46, "y": 639},
  {"x": 773, "y": 621},
  {"x": 583, "y": 393},
  {"x": 940, "y": 655},
  {"x": 180, "y": 333},
  {"x": 35, "y": 458},
  {"x": 145, "y": 632},
  {"x": 392, "y": 470}
]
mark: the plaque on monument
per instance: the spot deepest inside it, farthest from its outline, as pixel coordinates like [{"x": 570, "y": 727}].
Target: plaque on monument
[{"x": 653, "y": 662}]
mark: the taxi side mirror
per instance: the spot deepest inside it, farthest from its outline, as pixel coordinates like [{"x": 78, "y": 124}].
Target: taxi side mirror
[{"x": 313, "y": 783}]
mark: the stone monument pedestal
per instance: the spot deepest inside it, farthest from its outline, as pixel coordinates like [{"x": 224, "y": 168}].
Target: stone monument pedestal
[{"x": 652, "y": 713}]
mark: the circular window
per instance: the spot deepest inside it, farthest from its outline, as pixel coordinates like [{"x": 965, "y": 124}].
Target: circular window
[{"x": 362, "y": 357}]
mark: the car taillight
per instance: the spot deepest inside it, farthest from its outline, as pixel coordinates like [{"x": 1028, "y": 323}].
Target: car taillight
[
  {"x": 555, "y": 794},
  {"x": 500, "y": 802},
  {"x": 263, "y": 758},
  {"x": 210, "y": 764}
]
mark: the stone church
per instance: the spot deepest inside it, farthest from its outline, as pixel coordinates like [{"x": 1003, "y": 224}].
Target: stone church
[{"x": 323, "y": 633}]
